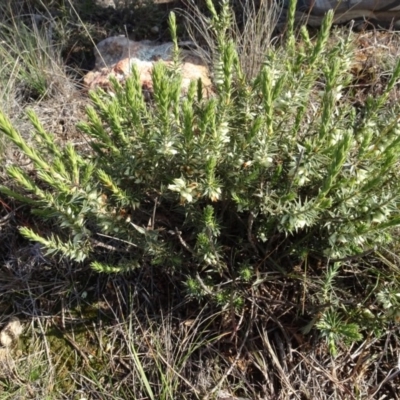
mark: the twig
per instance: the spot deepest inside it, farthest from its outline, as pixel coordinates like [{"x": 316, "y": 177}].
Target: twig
[
  {"x": 239, "y": 354},
  {"x": 178, "y": 374},
  {"x": 183, "y": 243},
  {"x": 76, "y": 347},
  {"x": 203, "y": 285},
  {"x": 154, "y": 213},
  {"x": 390, "y": 377},
  {"x": 46, "y": 345},
  {"x": 349, "y": 258},
  {"x": 7, "y": 217},
  {"x": 110, "y": 247},
  {"x": 250, "y": 223},
  {"x": 277, "y": 364}
]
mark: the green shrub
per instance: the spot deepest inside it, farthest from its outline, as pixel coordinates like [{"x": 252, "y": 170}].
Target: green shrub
[{"x": 281, "y": 167}]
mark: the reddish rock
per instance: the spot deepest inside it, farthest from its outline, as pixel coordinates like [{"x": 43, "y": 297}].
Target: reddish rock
[{"x": 115, "y": 56}]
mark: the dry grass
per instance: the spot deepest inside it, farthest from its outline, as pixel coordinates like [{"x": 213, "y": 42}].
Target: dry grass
[
  {"x": 34, "y": 74},
  {"x": 252, "y": 30},
  {"x": 133, "y": 337}
]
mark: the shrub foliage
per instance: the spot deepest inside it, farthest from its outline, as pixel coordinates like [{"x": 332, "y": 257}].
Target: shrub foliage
[{"x": 261, "y": 174}]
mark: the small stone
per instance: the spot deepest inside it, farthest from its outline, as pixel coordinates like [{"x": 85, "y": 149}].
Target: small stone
[
  {"x": 225, "y": 395},
  {"x": 11, "y": 332},
  {"x": 105, "y": 3},
  {"x": 155, "y": 29}
]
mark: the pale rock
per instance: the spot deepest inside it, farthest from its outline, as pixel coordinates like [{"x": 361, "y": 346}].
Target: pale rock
[
  {"x": 11, "y": 332},
  {"x": 105, "y": 3},
  {"x": 155, "y": 29},
  {"x": 116, "y": 55}
]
